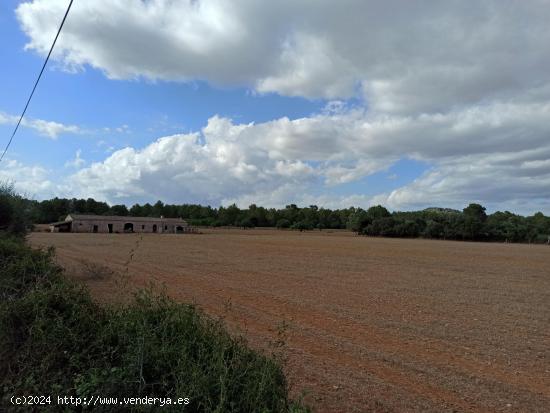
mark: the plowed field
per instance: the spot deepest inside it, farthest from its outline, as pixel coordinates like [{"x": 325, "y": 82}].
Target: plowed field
[{"x": 369, "y": 324}]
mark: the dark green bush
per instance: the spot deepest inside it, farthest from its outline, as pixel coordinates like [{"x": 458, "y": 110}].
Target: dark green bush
[
  {"x": 283, "y": 223},
  {"x": 302, "y": 226},
  {"x": 15, "y": 211}
]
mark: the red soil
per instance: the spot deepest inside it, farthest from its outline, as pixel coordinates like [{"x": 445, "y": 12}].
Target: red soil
[{"x": 370, "y": 324}]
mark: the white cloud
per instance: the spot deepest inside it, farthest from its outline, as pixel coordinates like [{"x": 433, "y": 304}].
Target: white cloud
[
  {"x": 123, "y": 129},
  {"x": 462, "y": 86},
  {"x": 209, "y": 166},
  {"x": 77, "y": 162},
  {"x": 516, "y": 181},
  {"x": 49, "y": 128},
  {"x": 406, "y": 56},
  {"x": 43, "y": 127},
  {"x": 30, "y": 180},
  {"x": 282, "y": 160}
]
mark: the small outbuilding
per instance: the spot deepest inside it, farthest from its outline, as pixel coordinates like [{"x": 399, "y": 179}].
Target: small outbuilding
[{"x": 118, "y": 224}]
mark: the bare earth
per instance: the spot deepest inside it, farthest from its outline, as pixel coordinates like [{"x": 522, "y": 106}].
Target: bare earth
[{"x": 372, "y": 324}]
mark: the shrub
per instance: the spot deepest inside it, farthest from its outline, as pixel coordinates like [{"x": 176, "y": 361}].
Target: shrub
[
  {"x": 283, "y": 223},
  {"x": 302, "y": 226},
  {"x": 381, "y": 227},
  {"x": 358, "y": 220},
  {"x": 14, "y": 211},
  {"x": 6, "y": 210},
  {"x": 433, "y": 230}
]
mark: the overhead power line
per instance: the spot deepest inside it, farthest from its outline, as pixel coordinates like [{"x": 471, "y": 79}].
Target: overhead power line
[{"x": 37, "y": 80}]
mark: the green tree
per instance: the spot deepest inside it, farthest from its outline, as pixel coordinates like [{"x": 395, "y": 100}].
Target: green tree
[
  {"x": 78, "y": 206},
  {"x": 283, "y": 223},
  {"x": 96, "y": 208},
  {"x": 302, "y": 226},
  {"x": 433, "y": 230},
  {"x": 384, "y": 227},
  {"x": 474, "y": 218},
  {"x": 54, "y": 209},
  {"x": 407, "y": 228},
  {"x": 120, "y": 210},
  {"x": 358, "y": 220},
  {"x": 158, "y": 209},
  {"x": 14, "y": 210},
  {"x": 378, "y": 211},
  {"x": 136, "y": 210},
  {"x": 6, "y": 206}
]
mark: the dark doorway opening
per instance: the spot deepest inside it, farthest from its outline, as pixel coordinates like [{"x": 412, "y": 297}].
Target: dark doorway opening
[
  {"x": 179, "y": 229},
  {"x": 65, "y": 227},
  {"x": 95, "y": 228},
  {"x": 110, "y": 226},
  {"x": 154, "y": 228},
  {"x": 128, "y": 227}
]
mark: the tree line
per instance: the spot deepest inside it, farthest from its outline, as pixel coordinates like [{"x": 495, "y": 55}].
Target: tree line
[{"x": 472, "y": 223}]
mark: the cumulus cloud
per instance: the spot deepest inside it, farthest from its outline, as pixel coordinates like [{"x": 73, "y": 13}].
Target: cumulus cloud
[
  {"x": 404, "y": 56},
  {"x": 203, "y": 167},
  {"x": 30, "y": 180},
  {"x": 525, "y": 174},
  {"x": 280, "y": 160},
  {"x": 50, "y": 129},
  {"x": 462, "y": 86}
]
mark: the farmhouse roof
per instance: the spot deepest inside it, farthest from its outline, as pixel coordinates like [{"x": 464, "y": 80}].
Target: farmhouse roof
[
  {"x": 58, "y": 223},
  {"x": 82, "y": 217}
]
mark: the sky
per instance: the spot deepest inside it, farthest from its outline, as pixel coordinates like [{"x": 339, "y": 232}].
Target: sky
[{"x": 353, "y": 103}]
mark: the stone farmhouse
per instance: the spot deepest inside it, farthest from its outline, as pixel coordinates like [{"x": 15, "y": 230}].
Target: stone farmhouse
[{"x": 121, "y": 224}]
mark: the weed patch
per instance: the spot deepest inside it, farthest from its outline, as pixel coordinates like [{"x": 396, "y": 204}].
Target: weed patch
[{"x": 55, "y": 340}]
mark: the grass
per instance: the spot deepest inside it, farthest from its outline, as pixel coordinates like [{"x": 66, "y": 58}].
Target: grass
[{"x": 55, "y": 340}]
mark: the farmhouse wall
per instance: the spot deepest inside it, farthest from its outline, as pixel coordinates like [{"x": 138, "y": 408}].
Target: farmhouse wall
[
  {"x": 119, "y": 226},
  {"x": 115, "y": 224}
]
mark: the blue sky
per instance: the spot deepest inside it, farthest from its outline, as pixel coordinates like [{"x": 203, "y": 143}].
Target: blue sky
[
  {"x": 269, "y": 105},
  {"x": 150, "y": 109}
]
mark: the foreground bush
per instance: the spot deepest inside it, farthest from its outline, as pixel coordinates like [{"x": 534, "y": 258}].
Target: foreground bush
[
  {"x": 14, "y": 211},
  {"x": 54, "y": 340}
]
